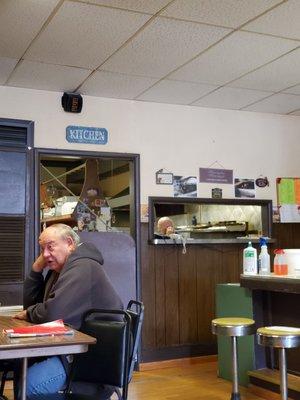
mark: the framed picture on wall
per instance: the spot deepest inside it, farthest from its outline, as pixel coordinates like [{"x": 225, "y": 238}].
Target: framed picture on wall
[{"x": 164, "y": 178}]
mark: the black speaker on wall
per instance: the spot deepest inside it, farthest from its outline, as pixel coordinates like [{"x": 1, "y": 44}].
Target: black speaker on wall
[{"x": 72, "y": 102}]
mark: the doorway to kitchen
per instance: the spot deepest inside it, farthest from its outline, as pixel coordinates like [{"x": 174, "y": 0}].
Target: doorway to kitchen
[{"x": 90, "y": 191}]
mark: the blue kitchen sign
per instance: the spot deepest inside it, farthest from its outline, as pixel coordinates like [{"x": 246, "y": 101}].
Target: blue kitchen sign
[{"x": 86, "y": 134}]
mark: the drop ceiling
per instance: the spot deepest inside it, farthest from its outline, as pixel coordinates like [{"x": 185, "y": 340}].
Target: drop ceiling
[{"x": 230, "y": 54}]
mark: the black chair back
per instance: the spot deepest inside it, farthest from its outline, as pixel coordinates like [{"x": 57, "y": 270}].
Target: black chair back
[
  {"x": 112, "y": 359},
  {"x": 137, "y": 318},
  {"x": 106, "y": 362}
]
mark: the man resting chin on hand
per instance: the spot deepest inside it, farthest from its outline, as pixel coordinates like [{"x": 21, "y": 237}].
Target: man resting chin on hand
[{"x": 74, "y": 283}]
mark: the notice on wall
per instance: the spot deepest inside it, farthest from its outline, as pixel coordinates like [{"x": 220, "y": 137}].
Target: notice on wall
[
  {"x": 216, "y": 175},
  {"x": 288, "y": 199},
  {"x": 288, "y": 190},
  {"x": 289, "y": 213}
]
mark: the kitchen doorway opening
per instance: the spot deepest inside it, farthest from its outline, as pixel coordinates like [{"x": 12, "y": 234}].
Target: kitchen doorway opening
[{"x": 91, "y": 192}]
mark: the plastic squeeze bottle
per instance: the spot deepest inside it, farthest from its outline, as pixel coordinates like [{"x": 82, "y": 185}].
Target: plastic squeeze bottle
[
  {"x": 280, "y": 264},
  {"x": 250, "y": 260},
  {"x": 264, "y": 258}
]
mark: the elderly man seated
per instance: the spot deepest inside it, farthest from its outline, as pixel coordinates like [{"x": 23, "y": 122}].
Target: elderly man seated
[{"x": 75, "y": 282}]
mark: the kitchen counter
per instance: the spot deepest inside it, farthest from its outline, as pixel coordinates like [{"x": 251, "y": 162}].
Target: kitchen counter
[
  {"x": 272, "y": 283},
  {"x": 207, "y": 241},
  {"x": 275, "y": 303}
]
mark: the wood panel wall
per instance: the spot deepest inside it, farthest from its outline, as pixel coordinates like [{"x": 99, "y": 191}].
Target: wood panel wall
[{"x": 178, "y": 291}]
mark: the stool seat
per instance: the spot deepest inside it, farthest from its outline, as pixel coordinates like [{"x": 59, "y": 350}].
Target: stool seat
[
  {"x": 233, "y": 326},
  {"x": 284, "y": 337}
]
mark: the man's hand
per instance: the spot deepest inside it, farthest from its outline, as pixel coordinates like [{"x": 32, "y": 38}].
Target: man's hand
[
  {"x": 39, "y": 264},
  {"x": 21, "y": 315}
]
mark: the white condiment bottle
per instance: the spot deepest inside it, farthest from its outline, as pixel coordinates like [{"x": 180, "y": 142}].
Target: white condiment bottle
[
  {"x": 250, "y": 260},
  {"x": 264, "y": 266}
]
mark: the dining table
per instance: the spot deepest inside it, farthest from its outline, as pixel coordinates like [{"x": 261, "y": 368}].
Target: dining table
[{"x": 37, "y": 346}]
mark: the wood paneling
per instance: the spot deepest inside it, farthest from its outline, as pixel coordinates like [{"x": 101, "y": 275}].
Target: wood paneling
[
  {"x": 148, "y": 295},
  {"x": 160, "y": 299},
  {"x": 179, "y": 292},
  {"x": 179, "y": 295},
  {"x": 171, "y": 287},
  {"x": 188, "y": 315}
]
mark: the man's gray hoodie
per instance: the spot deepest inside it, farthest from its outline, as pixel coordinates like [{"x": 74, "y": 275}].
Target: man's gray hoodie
[{"x": 82, "y": 284}]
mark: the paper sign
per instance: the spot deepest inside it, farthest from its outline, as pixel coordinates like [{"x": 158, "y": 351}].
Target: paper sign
[
  {"x": 86, "y": 134},
  {"x": 286, "y": 191},
  {"x": 297, "y": 190},
  {"x": 216, "y": 175},
  {"x": 289, "y": 213}
]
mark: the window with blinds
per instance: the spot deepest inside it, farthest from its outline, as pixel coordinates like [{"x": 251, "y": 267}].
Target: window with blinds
[
  {"x": 12, "y": 249},
  {"x": 15, "y": 136}
]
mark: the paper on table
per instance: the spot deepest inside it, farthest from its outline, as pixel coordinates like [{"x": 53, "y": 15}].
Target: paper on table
[{"x": 48, "y": 329}]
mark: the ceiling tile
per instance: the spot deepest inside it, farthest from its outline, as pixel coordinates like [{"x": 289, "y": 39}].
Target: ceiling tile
[
  {"x": 230, "y": 98},
  {"x": 6, "y": 67},
  {"x": 84, "y": 35},
  {"x": 234, "y": 56},
  {"x": 282, "y": 21},
  {"x": 175, "y": 92},
  {"x": 295, "y": 112},
  {"x": 108, "y": 84},
  {"x": 229, "y": 13},
  {"x": 162, "y": 46},
  {"x": 276, "y": 76},
  {"x": 20, "y": 21},
  {"x": 47, "y": 77},
  {"x": 293, "y": 90},
  {"x": 278, "y": 104},
  {"x": 146, "y": 6}
]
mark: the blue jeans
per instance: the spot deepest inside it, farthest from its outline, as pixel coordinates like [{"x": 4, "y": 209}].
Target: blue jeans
[{"x": 48, "y": 376}]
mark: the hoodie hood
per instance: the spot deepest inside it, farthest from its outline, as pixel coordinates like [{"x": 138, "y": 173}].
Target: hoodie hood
[{"x": 85, "y": 250}]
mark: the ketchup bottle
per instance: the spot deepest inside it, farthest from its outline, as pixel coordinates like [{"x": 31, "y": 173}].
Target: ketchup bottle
[{"x": 280, "y": 264}]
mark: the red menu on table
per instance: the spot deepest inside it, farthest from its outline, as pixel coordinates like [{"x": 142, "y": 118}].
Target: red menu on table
[{"x": 48, "y": 329}]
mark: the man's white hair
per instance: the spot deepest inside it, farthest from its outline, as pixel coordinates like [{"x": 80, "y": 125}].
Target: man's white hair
[{"x": 65, "y": 231}]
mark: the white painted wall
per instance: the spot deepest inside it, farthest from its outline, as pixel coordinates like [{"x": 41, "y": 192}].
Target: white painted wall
[{"x": 178, "y": 138}]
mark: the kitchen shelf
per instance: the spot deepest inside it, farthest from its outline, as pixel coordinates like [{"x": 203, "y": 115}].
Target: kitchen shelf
[{"x": 59, "y": 219}]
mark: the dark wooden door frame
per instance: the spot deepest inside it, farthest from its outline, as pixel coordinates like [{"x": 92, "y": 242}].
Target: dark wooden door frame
[
  {"x": 135, "y": 158},
  {"x": 29, "y": 207}
]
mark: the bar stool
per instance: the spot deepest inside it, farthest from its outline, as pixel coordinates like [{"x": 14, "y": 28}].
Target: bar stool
[
  {"x": 233, "y": 327},
  {"x": 282, "y": 337}
]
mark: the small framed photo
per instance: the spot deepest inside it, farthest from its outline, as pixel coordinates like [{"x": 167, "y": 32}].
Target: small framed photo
[
  {"x": 164, "y": 178},
  {"x": 216, "y": 193}
]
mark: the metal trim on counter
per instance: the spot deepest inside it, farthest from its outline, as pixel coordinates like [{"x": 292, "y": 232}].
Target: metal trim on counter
[
  {"x": 272, "y": 283},
  {"x": 206, "y": 241}
]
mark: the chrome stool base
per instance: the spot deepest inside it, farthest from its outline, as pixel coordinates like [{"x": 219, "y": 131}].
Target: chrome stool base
[
  {"x": 234, "y": 327},
  {"x": 283, "y": 338}
]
